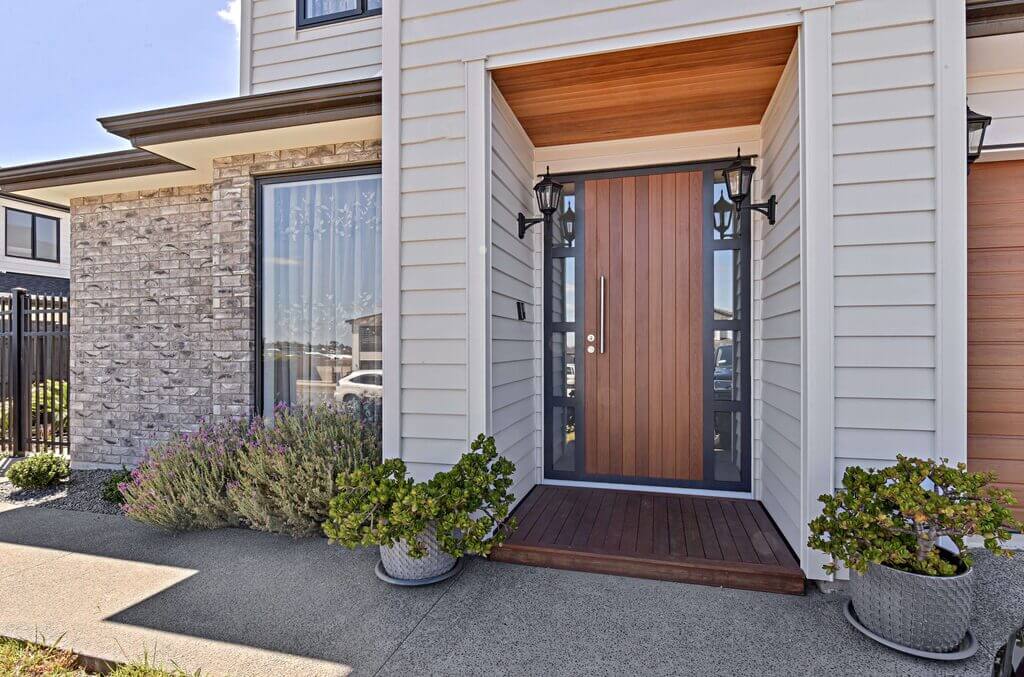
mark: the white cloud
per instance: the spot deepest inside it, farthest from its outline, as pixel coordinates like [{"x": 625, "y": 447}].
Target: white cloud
[{"x": 233, "y": 15}]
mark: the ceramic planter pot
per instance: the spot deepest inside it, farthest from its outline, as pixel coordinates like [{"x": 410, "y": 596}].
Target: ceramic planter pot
[
  {"x": 926, "y": 613},
  {"x": 399, "y": 565}
]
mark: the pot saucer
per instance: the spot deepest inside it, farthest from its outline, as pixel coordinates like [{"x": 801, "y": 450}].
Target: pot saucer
[
  {"x": 382, "y": 574},
  {"x": 968, "y": 645}
]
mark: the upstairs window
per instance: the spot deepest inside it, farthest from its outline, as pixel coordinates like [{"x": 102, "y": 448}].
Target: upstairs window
[
  {"x": 317, "y": 12},
  {"x": 32, "y": 236}
]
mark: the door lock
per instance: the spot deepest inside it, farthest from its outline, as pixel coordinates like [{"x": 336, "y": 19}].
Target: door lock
[{"x": 591, "y": 338}]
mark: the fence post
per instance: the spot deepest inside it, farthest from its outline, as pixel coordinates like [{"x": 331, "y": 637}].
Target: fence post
[{"x": 22, "y": 403}]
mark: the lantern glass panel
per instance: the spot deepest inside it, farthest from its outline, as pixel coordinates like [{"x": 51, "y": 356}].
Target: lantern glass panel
[{"x": 549, "y": 194}]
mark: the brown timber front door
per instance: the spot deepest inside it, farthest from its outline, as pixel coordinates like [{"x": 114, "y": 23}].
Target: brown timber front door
[{"x": 643, "y": 327}]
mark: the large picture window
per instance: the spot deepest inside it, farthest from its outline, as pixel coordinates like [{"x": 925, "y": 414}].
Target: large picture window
[{"x": 320, "y": 290}]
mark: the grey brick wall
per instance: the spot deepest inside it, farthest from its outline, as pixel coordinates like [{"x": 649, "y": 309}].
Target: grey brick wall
[{"x": 163, "y": 304}]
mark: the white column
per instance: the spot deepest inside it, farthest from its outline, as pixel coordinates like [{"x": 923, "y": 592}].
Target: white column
[
  {"x": 816, "y": 260},
  {"x": 951, "y": 231},
  {"x": 478, "y": 247},
  {"x": 391, "y": 246}
]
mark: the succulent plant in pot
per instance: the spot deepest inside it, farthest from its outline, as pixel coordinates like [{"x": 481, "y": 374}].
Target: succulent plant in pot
[
  {"x": 422, "y": 528},
  {"x": 886, "y": 526}
]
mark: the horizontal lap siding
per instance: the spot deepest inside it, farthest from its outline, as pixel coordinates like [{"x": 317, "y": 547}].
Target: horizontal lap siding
[
  {"x": 777, "y": 362},
  {"x": 885, "y": 237},
  {"x": 437, "y": 37},
  {"x": 515, "y": 276},
  {"x": 283, "y": 57}
]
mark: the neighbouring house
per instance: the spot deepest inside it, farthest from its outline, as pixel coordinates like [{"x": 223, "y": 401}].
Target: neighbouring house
[
  {"x": 677, "y": 380},
  {"x": 35, "y": 238}
]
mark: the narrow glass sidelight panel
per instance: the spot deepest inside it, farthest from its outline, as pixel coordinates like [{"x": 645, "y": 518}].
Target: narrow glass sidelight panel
[
  {"x": 563, "y": 364},
  {"x": 563, "y": 223},
  {"x": 726, "y": 220},
  {"x": 728, "y": 446},
  {"x": 321, "y": 302},
  {"x": 563, "y": 438},
  {"x": 727, "y": 366},
  {"x": 563, "y": 289},
  {"x": 728, "y": 285}
]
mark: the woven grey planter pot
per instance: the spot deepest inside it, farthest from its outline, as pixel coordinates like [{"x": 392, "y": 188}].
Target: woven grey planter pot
[
  {"x": 928, "y": 613},
  {"x": 398, "y": 564}
]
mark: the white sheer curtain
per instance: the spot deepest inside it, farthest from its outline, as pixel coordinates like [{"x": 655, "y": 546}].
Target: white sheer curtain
[
  {"x": 321, "y": 277},
  {"x": 315, "y": 8}
]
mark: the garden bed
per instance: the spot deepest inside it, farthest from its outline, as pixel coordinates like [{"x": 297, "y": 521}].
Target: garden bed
[{"x": 81, "y": 492}]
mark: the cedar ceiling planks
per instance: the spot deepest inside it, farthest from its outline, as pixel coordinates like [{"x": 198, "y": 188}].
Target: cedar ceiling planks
[{"x": 682, "y": 87}]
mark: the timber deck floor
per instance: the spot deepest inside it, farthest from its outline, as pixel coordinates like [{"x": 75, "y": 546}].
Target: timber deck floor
[{"x": 692, "y": 539}]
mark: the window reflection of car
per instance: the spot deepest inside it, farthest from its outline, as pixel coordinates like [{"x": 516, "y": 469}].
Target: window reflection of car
[
  {"x": 723, "y": 372},
  {"x": 570, "y": 380},
  {"x": 362, "y": 383}
]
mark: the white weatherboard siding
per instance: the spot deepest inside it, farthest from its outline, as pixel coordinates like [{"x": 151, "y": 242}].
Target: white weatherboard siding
[
  {"x": 437, "y": 42},
  {"x": 885, "y": 201},
  {"x": 516, "y": 275},
  {"x": 995, "y": 85},
  {"x": 879, "y": 98},
  {"x": 13, "y": 264},
  {"x": 777, "y": 279},
  {"x": 280, "y": 56}
]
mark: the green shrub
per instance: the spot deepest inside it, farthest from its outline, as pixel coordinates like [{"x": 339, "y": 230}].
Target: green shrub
[
  {"x": 895, "y": 517},
  {"x": 39, "y": 472},
  {"x": 182, "y": 484},
  {"x": 380, "y": 505},
  {"x": 286, "y": 472},
  {"x": 111, "y": 490}
]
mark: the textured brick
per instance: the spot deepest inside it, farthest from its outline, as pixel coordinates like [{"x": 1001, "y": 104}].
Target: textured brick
[{"x": 163, "y": 304}]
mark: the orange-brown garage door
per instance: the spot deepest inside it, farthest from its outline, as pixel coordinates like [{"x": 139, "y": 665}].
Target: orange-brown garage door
[{"x": 995, "y": 323}]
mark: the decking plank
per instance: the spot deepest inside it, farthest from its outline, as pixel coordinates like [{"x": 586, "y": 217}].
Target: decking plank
[{"x": 653, "y": 535}]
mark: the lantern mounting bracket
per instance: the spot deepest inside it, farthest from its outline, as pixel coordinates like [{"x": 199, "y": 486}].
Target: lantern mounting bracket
[
  {"x": 767, "y": 208},
  {"x": 525, "y": 224}
]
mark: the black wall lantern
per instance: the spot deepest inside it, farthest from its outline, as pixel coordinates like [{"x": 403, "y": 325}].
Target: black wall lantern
[
  {"x": 976, "y": 126},
  {"x": 549, "y": 196},
  {"x": 737, "y": 182},
  {"x": 724, "y": 212}
]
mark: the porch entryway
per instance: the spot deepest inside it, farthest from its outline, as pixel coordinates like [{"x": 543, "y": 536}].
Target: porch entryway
[{"x": 722, "y": 542}]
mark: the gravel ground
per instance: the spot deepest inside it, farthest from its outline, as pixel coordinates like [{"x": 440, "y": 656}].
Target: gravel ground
[{"x": 80, "y": 492}]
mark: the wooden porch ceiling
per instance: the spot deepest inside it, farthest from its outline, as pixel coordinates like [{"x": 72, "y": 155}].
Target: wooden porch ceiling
[{"x": 681, "y": 87}]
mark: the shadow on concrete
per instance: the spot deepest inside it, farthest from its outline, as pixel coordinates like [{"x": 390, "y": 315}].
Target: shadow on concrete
[{"x": 303, "y": 597}]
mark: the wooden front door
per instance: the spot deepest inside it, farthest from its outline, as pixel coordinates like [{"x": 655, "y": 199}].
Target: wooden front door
[
  {"x": 995, "y": 323},
  {"x": 643, "y": 326}
]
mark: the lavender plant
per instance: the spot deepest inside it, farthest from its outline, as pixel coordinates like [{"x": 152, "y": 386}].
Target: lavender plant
[
  {"x": 183, "y": 483},
  {"x": 273, "y": 474},
  {"x": 286, "y": 472}
]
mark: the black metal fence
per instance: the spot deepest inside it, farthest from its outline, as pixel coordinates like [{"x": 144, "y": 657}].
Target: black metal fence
[{"x": 35, "y": 341}]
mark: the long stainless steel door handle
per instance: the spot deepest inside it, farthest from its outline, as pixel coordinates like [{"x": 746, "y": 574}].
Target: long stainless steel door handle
[{"x": 601, "y": 314}]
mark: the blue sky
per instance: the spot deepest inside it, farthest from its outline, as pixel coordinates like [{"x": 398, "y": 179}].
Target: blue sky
[{"x": 67, "y": 62}]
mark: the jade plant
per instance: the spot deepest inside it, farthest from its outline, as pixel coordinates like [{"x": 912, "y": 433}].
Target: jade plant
[
  {"x": 469, "y": 504},
  {"x": 896, "y": 516}
]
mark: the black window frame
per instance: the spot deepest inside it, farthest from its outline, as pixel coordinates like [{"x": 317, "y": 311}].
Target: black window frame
[
  {"x": 369, "y": 169},
  {"x": 303, "y": 21},
  {"x": 35, "y": 256}
]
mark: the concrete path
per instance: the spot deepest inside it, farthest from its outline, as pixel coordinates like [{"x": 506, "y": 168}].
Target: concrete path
[{"x": 235, "y": 602}]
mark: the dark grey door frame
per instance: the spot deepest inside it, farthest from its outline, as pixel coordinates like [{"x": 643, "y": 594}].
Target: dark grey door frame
[{"x": 551, "y": 327}]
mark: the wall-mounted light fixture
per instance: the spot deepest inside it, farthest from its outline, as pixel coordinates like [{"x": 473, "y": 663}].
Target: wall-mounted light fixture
[
  {"x": 549, "y": 196},
  {"x": 976, "y": 126},
  {"x": 737, "y": 182}
]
